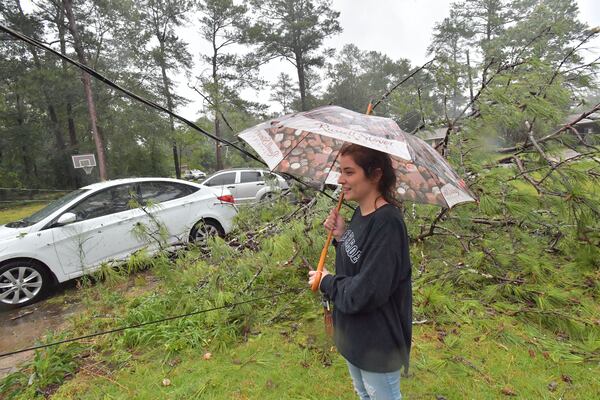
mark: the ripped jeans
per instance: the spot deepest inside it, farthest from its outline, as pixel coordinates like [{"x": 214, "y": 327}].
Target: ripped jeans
[{"x": 375, "y": 385}]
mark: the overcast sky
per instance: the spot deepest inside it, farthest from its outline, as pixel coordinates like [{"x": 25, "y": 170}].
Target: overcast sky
[{"x": 398, "y": 28}]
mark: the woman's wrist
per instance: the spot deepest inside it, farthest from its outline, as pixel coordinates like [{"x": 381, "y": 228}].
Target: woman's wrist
[{"x": 339, "y": 237}]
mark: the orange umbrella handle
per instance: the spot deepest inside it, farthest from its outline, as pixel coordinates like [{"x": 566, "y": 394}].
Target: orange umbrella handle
[
  {"x": 317, "y": 281},
  {"x": 319, "y": 274}
]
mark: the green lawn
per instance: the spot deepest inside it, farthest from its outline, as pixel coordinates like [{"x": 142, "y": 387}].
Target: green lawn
[
  {"x": 296, "y": 361},
  {"x": 17, "y": 212}
]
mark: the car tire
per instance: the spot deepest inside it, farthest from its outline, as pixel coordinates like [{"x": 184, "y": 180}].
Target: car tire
[
  {"x": 22, "y": 282},
  {"x": 269, "y": 196},
  {"x": 203, "y": 229}
]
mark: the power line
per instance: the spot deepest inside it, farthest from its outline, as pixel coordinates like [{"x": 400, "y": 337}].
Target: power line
[
  {"x": 158, "y": 321},
  {"x": 35, "y": 190},
  {"x": 396, "y": 86},
  {"x": 25, "y": 201}
]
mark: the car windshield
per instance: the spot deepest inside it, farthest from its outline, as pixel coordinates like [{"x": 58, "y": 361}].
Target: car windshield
[{"x": 46, "y": 211}]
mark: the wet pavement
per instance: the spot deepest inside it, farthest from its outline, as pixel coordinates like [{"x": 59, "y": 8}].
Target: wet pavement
[{"x": 22, "y": 327}]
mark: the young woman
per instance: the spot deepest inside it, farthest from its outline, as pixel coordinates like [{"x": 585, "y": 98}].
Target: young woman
[{"x": 371, "y": 291}]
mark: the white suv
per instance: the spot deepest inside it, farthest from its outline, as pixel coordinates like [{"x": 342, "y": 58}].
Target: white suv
[{"x": 248, "y": 184}]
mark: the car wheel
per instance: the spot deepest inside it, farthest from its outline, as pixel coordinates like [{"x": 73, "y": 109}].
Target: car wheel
[
  {"x": 205, "y": 229},
  {"x": 22, "y": 283},
  {"x": 269, "y": 196}
]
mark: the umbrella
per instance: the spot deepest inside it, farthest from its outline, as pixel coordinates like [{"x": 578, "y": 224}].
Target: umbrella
[{"x": 307, "y": 144}]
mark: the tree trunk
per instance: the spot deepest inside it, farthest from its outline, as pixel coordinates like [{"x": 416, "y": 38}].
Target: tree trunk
[
  {"x": 73, "y": 143},
  {"x": 27, "y": 163},
  {"x": 421, "y": 106},
  {"x": 455, "y": 83},
  {"x": 218, "y": 153},
  {"x": 301, "y": 81},
  {"x": 63, "y": 50},
  {"x": 470, "y": 77},
  {"x": 87, "y": 87},
  {"x": 167, "y": 92},
  {"x": 216, "y": 101}
]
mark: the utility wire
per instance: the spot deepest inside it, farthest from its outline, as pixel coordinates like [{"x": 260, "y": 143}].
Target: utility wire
[
  {"x": 35, "y": 190},
  {"x": 158, "y": 321},
  {"x": 396, "y": 86},
  {"x": 25, "y": 201}
]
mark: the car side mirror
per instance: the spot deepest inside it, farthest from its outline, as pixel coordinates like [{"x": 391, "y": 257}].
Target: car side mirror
[{"x": 66, "y": 218}]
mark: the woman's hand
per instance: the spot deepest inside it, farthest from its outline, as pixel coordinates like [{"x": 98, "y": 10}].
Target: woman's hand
[
  {"x": 335, "y": 222},
  {"x": 312, "y": 276}
]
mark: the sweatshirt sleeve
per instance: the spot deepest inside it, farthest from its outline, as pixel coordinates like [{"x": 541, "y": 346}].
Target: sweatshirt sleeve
[{"x": 380, "y": 272}]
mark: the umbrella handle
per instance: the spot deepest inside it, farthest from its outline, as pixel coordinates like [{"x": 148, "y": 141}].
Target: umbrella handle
[{"x": 319, "y": 274}]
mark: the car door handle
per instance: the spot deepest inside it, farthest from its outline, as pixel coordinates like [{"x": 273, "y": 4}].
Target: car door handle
[
  {"x": 230, "y": 187},
  {"x": 260, "y": 184}
]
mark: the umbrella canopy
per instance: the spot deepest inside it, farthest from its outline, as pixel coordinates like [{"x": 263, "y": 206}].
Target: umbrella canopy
[{"x": 307, "y": 144}]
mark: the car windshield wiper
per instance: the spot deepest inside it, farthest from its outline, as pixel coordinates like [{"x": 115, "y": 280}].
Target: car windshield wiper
[{"x": 18, "y": 224}]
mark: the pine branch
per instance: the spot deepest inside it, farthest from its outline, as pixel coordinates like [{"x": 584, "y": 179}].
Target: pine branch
[{"x": 433, "y": 225}]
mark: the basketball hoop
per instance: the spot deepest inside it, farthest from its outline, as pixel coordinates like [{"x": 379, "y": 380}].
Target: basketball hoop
[{"x": 87, "y": 162}]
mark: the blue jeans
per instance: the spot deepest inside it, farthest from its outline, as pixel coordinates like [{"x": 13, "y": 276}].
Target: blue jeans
[{"x": 375, "y": 385}]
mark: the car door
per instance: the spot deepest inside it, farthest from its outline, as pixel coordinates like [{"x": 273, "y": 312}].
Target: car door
[
  {"x": 224, "y": 180},
  {"x": 167, "y": 205},
  {"x": 104, "y": 230},
  {"x": 250, "y": 183}
]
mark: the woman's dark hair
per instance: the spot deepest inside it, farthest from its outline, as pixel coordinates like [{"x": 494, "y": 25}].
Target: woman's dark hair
[{"x": 370, "y": 161}]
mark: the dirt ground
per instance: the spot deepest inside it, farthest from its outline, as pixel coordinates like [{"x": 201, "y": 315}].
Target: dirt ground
[{"x": 22, "y": 327}]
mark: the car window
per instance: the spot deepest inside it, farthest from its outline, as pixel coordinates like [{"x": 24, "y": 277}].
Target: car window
[
  {"x": 108, "y": 201},
  {"x": 158, "y": 192},
  {"x": 227, "y": 178},
  {"x": 250, "y": 176}
]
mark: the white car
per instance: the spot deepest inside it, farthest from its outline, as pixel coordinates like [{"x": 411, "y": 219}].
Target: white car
[
  {"x": 101, "y": 223},
  {"x": 194, "y": 174},
  {"x": 248, "y": 184}
]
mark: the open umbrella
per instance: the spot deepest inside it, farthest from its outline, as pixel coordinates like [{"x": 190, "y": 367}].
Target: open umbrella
[{"x": 306, "y": 144}]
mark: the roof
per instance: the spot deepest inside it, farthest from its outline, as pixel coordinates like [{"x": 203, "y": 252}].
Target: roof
[
  {"x": 242, "y": 169},
  {"x": 432, "y": 134},
  {"x": 590, "y": 119},
  {"x": 115, "y": 182}
]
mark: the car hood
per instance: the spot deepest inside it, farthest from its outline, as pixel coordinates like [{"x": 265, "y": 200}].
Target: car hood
[{"x": 12, "y": 233}]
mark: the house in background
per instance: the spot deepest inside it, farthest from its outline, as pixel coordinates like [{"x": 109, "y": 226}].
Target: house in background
[
  {"x": 589, "y": 127},
  {"x": 433, "y": 136}
]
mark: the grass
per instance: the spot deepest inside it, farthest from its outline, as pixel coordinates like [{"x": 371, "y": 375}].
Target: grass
[
  {"x": 15, "y": 213},
  {"x": 535, "y": 337},
  {"x": 296, "y": 361}
]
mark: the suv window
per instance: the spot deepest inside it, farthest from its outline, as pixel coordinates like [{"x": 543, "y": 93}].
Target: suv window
[
  {"x": 158, "y": 192},
  {"x": 250, "y": 176},
  {"x": 227, "y": 178},
  {"x": 108, "y": 201}
]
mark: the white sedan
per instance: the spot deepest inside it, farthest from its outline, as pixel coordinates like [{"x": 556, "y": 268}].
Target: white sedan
[{"x": 103, "y": 223}]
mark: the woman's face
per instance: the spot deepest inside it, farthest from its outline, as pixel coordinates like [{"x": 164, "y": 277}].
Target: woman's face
[{"x": 355, "y": 185}]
